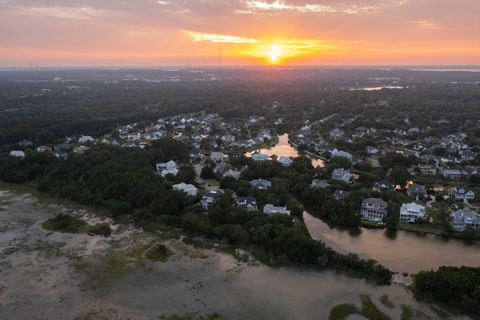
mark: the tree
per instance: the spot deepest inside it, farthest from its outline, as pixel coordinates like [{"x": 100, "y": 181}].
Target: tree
[{"x": 207, "y": 173}]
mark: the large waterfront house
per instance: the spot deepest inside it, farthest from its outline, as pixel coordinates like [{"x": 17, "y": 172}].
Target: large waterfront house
[
  {"x": 463, "y": 218},
  {"x": 373, "y": 209},
  {"x": 412, "y": 212}
]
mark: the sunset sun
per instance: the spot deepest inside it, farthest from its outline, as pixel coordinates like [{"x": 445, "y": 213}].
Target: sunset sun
[{"x": 274, "y": 53}]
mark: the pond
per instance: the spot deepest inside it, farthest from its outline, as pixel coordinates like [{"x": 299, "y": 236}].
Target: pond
[{"x": 284, "y": 149}]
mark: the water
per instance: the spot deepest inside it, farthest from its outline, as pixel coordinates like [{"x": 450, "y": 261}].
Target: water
[
  {"x": 50, "y": 275},
  {"x": 378, "y": 88},
  {"x": 404, "y": 251},
  {"x": 284, "y": 149}
]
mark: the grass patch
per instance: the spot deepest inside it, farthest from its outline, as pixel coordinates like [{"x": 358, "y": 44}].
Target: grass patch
[
  {"x": 68, "y": 224},
  {"x": 159, "y": 253},
  {"x": 370, "y": 310},
  {"x": 407, "y": 312},
  {"x": 212, "y": 182},
  {"x": 372, "y": 224},
  {"x": 385, "y": 300},
  {"x": 342, "y": 311}
]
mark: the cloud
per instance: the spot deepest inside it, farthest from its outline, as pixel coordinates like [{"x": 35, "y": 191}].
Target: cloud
[
  {"x": 69, "y": 13},
  {"x": 349, "y": 7},
  {"x": 216, "y": 38}
]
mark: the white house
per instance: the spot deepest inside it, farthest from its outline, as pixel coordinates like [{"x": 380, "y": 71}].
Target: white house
[
  {"x": 412, "y": 212},
  {"x": 259, "y": 157},
  {"x": 189, "y": 189},
  {"x": 232, "y": 173},
  {"x": 85, "y": 139},
  {"x": 341, "y": 154},
  {"x": 217, "y": 156},
  {"x": 134, "y": 136},
  {"x": 285, "y": 161},
  {"x": 80, "y": 149},
  {"x": 17, "y": 154},
  {"x": 428, "y": 170},
  {"x": 341, "y": 175},
  {"x": 452, "y": 173},
  {"x": 271, "y": 210},
  {"x": 167, "y": 168},
  {"x": 461, "y": 219}
]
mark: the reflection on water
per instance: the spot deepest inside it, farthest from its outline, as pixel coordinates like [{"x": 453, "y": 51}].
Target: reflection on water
[
  {"x": 284, "y": 149},
  {"x": 400, "y": 250}
]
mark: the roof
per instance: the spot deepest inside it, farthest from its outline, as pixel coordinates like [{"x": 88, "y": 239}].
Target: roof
[{"x": 375, "y": 201}]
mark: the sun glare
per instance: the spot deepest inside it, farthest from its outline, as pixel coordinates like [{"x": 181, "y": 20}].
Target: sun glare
[{"x": 274, "y": 53}]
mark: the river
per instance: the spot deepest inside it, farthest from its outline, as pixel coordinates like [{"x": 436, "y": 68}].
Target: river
[
  {"x": 284, "y": 149},
  {"x": 402, "y": 251}
]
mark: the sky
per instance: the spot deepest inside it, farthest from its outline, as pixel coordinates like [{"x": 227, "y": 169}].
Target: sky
[{"x": 240, "y": 32}]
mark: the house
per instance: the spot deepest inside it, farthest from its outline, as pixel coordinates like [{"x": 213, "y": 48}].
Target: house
[
  {"x": 412, "y": 212},
  {"x": 341, "y": 175},
  {"x": 61, "y": 155},
  {"x": 463, "y": 218},
  {"x": 189, "y": 189},
  {"x": 428, "y": 169},
  {"x": 468, "y": 155},
  {"x": 259, "y": 157},
  {"x": 232, "y": 173},
  {"x": 271, "y": 210},
  {"x": 417, "y": 191},
  {"x": 17, "y": 154},
  {"x": 322, "y": 184},
  {"x": 80, "y": 149},
  {"x": 134, "y": 136},
  {"x": 371, "y": 150},
  {"x": 453, "y": 173},
  {"x": 261, "y": 184},
  {"x": 195, "y": 156},
  {"x": 85, "y": 139},
  {"x": 381, "y": 186},
  {"x": 44, "y": 149},
  {"x": 373, "y": 209},
  {"x": 337, "y": 133},
  {"x": 217, "y": 156},
  {"x": 247, "y": 203},
  {"x": 341, "y": 194},
  {"x": 25, "y": 143},
  {"x": 462, "y": 194},
  {"x": 285, "y": 161},
  {"x": 155, "y": 135},
  {"x": 341, "y": 154},
  {"x": 167, "y": 168},
  {"x": 210, "y": 198}
]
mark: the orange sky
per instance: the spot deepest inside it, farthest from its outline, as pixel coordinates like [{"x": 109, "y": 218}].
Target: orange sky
[{"x": 189, "y": 32}]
